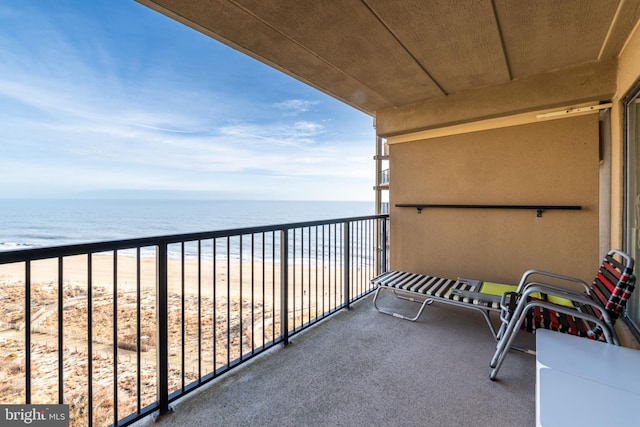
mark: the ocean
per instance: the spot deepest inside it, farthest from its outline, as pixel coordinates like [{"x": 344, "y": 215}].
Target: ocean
[{"x": 40, "y": 223}]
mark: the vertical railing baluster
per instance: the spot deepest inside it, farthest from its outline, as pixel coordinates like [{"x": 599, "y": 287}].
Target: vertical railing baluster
[
  {"x": 335, "y": 265},
  {"x": 383, "y": 244},
  {"x": 182, "y": 315},
  {"x": 361, "y": 256},
  {"x": 215, "y": 303},
  {"x": 253, "y": 263},
  {"x": 356, "y": 259},
  {"x": 332, "y": 278},
  {"x": 327, "y": 255},
  {"x": 240, "y": 332},
  {"x": 379, "y": 254},
  {"x": 284, "y": 285},
  {"x": 138, "y": 330},
  {"x": 115, "y": 337},
  {"x": 301, "y": 280},
  {"x": 90, "y": 338},
  {"x": 371, "y": 251},
  {"x": 27, "y": 330},
  {"x": 228, "y": 301},
  {"x": 264, "y": 263},
  {"x": 162, "y": 325},
  {"x": 199, "y": 310},
  {"x": 365, "y": 254},
  {"x": 60, "y": 331},
  {"x": 309, "y": 273},
  {"x": 293, "y": 278},
  {"x": 316, "y": 268},
  {"x": 324, "y": 232},
  {"x": 347, "y": 267},
  {"x": 273, "y": 285}
]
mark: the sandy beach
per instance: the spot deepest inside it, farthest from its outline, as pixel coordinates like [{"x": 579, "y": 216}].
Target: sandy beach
[{"x": 75, "y": 272}]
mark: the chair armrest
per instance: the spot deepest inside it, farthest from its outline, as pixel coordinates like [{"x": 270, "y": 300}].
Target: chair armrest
[
  {"x": 528, "y": 273},
  {"x": 510, "y": 299},
  {"x": 581, "y": 298},
  {"x": 556, "y": 290}
]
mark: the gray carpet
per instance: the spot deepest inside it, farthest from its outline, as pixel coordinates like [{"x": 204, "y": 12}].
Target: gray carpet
[{"x": 363, "y": 368}]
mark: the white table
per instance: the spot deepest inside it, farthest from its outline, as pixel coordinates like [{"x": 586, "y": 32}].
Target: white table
[{"x": 582, "y": 382}]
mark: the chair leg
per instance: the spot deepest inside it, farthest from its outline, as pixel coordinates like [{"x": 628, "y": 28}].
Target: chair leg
[
  {"x": 505, "y": 342},
  {"x": 492, "y": 328},
  {"x": 502, "y": 329},
  {"x": 506, "y": 330}
]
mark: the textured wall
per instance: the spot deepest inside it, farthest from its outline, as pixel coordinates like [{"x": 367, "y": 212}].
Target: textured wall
[{"x": 553, "y": 162}]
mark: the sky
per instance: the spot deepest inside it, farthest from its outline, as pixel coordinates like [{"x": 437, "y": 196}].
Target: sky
[{"x": 108, "y": 98}]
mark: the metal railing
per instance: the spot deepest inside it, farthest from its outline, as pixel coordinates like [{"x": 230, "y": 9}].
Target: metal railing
[
  {"x": 118, "y": 330},
  {"x": 384, "y": 177}
]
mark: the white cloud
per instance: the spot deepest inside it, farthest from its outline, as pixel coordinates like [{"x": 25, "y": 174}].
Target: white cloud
[
  {"x": 277, "y": 134},
  {"x": 293, "y": 107}
]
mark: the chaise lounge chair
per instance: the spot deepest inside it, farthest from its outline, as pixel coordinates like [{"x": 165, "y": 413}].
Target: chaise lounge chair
[
  {"x": 589, "y": 314},
  {"x": 474, "y": 294}
]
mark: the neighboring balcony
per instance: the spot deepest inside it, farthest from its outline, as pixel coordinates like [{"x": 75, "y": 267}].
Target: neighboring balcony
[
  {"x": 383, "y": 180},
  {"x": 384, "y": 177}
]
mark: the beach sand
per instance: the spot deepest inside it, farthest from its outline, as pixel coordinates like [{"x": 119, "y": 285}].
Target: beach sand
[{"x": 75, "y": 272}]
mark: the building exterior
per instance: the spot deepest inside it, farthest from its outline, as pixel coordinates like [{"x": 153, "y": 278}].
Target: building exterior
[{"x": 491, "y": 102}]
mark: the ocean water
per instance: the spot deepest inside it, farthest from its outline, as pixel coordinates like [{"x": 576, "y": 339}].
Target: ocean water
[{"x": 39, "y": 223}]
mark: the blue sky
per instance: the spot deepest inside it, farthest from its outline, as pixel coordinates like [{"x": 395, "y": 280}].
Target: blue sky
[{"x": 106, "y": 98}]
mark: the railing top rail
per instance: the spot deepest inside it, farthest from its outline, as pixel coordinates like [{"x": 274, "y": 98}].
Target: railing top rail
[{"x": 21, "y": 255}]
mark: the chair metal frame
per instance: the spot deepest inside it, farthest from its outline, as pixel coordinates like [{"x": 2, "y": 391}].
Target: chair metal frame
[
  {"x": 515, "y": 307},
  {"x": 464, "y": 300}
]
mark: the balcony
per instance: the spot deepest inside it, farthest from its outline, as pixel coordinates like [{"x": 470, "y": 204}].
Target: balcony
[
  {"x": 384, "y": 177},
  {"x": 383, "y": 180},
  {"x": 120, "y": 330},
  {"x": 127, "y": 331}
]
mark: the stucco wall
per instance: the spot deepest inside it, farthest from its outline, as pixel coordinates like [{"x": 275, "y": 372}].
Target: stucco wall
[{"x": 553, "y": 162}]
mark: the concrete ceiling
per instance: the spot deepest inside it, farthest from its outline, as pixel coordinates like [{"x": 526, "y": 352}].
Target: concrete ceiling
[{"x": 380, "y": 54}]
